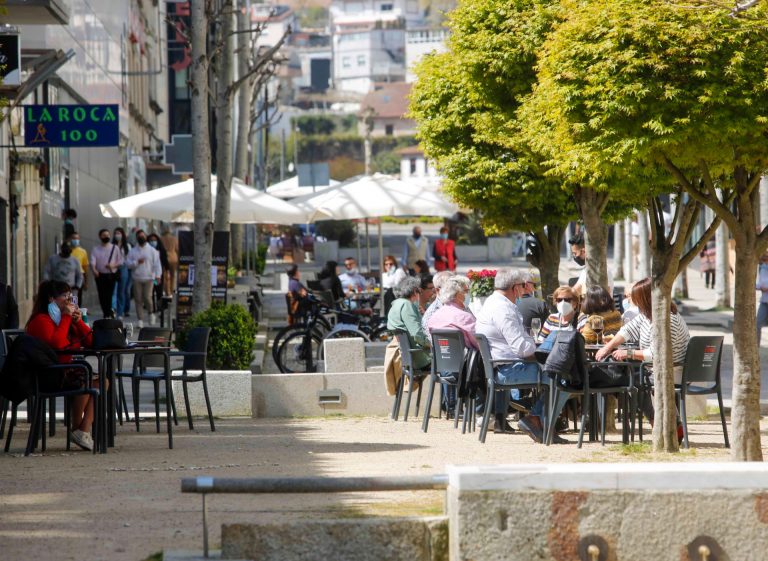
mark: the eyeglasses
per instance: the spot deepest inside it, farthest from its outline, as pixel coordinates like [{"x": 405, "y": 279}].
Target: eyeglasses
[{"x": 563, "y": 299}]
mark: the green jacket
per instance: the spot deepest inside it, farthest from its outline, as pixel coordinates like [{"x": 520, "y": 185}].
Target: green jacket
[{"x": 404, "y": 315}]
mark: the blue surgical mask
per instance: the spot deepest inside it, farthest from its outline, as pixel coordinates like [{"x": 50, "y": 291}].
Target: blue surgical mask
[
  {"x": 444, "y": 236},
  {"x": 74, "y": 243},
  {"x": 55, "y": 312},
  {"x": 626, "y": 304},
  {"x": 153, "y": 243}
]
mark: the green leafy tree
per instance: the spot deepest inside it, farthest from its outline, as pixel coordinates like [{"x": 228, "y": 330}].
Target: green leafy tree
[
  {"x": 636, "y": 86},
  {"x": 465, "y": 105}
]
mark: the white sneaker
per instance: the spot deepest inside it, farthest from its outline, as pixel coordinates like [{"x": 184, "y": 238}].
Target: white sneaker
[
  {"x": 140, "y": 323},
  {"x": 120, "y": 318},
  {"x": 82, "y": 439},
  {"x": 152, "y": 319}
]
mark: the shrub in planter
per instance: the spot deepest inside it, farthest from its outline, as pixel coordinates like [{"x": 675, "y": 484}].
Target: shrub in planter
[{"x": 233, "y": 330}]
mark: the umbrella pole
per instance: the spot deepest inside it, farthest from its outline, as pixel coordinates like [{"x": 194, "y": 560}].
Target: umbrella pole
[
  {"x": 381, "y": 267},
  {"x": 368, "y": 245},
  {"x": 357, "y": 238}
]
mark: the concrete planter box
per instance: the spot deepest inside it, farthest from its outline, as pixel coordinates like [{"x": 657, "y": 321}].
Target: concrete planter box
[{"x": 230, "y": 392}]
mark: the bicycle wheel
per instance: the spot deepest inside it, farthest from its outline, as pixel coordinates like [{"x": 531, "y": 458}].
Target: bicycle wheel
[
  {"x": 293, "y": 353},
  {"x": 321, "y": 328}
]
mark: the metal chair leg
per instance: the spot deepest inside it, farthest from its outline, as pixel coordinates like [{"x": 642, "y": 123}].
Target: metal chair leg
[
  {"x": 186, "y": 405},
  {"x": 156, "y": 387},
  {"x": 428, "y": 404},
  {"x": 722, "y": 417},
  {"x": 208, "y": 404}
]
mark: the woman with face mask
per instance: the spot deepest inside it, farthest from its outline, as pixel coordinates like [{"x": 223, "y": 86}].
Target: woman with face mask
[
  {"x": 58, "y": 322},
  {"x": 567, "y": 303},
  {"x": 444, "y": 251},
  {"x": 156, "y": 243},
  {"x": 106, "y": 259},
  {"x": 122, "y": 298}
]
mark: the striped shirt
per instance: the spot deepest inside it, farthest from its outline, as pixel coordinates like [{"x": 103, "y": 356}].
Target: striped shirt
[{"x": 641, "y": 331}]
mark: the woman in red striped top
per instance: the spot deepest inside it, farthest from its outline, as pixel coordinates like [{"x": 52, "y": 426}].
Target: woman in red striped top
[{"x": 58, "y": 322}]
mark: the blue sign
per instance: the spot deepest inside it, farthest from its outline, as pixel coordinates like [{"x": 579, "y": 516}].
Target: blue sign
[{"x": 71, "y": 126}]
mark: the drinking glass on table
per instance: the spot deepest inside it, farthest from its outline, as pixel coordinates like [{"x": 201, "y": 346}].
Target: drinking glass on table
[
  {"x": 128, "y": 330},
  {"x": 598, "y": 325},
  {"x": 535, "y": 327}
]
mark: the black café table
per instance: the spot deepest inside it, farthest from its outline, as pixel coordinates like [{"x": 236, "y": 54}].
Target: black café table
[{"x": 107, "y": 360}]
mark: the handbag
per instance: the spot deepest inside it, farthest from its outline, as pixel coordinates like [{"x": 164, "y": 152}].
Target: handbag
[{"x": 109, "y": 334}]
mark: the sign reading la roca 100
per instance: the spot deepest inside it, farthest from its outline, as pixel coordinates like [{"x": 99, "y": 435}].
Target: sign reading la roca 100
[{"x": 71, "y": 126}]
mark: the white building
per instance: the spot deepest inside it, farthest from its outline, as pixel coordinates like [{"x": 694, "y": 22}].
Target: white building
[
  {"x": 274, "y": 19},
  {"x": 419, "y": 42},
  {"x": 387, "y": 104},
  {"x": 414, "y": 165}
]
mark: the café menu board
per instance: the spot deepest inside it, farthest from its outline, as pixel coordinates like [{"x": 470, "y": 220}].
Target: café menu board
[{"x": 186, "y": 275}]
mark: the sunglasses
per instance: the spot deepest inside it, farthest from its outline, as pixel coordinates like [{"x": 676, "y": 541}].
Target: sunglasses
[{"x": 563, "y": 299}]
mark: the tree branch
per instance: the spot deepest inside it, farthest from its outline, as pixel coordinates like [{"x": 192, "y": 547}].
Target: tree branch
[
  {"x": 686, "y": 259},
  {"x": 263, "y": 60}
]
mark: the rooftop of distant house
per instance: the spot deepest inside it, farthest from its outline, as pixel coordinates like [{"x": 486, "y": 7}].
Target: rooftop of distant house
[
  {"x": 388, "y": 100},
  {"x": 270, "y": 12}
]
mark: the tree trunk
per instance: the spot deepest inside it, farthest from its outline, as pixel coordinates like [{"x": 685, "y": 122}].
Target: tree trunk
[
  {"x": 237, "y": 231},
  {"x": 224, "y": 110},
  {"x": 665, "y": 424},
  {"x": 629, "y": 260},
  {"x": 618, "y": 250},
  {"x": 201, "y": 151},
  {"x": 745, "y": 411},
  {"x": 596, "y": 238},
  {"x": 549, "y": 263}
]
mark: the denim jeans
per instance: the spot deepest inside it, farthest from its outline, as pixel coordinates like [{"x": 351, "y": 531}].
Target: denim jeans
[
  {"x": 122, "y": 300},
  {"x": 519, "y": 373},
  {"x": 762, "y": 319}
]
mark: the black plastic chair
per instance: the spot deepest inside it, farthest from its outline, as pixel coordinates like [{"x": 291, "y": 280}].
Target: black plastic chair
[
  {"x": 195, "y": 355},
  {"x": 449, "y": 366},
  {"x": 149, "y": 367},
  {"x": 493, "y": 385},
  {"x": 702, "y": 366},
  {"x": 410, "y": 373},
  {"x": 7, "y": 337}
]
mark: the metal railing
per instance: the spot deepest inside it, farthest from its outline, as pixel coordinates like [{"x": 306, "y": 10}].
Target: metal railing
[{"x": 279, "y": 485}]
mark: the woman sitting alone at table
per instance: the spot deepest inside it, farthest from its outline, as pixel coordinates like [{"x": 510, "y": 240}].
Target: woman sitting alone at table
[
  {"x": 567, "y": 304},
  {"x": 58, "y": 322},
  {"x": 297, "y": 294},
  {"x": 598, "y": 303}
]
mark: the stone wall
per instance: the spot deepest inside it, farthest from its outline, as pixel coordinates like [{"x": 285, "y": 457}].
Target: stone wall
[
  {"x": 374, "y": 539},
  {"x": 641, "y": 511}
]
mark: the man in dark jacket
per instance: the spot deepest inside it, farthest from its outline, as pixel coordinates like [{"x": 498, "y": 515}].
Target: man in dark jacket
[
  {"x": 529, "y": 306},
  {"x": 9, "y": 310}
]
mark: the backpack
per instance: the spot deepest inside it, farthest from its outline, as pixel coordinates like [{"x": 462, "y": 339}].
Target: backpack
[{"x": 27, "y": 355}]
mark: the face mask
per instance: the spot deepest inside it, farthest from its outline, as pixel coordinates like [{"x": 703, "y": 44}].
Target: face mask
[
  {"x": 75, "y": 243},
  {"x": 564, "y": 308},
  {"x": 444, "y": 236},
  {"x": 626, "y": 304},
  {"x": 352, "y": 271},
  {"x": 416, "y": 236},
  {"x": 54, "y": 312},
  {"x": 153, "y": 243},
  {"x": 105, "y": 240},
  {"x": 118, "y": 237},
  {"x": 141, "y": 241},
  {"x": 579, "y": 260}
]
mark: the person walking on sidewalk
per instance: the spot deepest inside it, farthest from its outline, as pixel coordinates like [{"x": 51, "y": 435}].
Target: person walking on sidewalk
[
  {"x": 144, "y": 261},
  {"x": 762, "y": 286},
  {"x": 416, "y": 248},
  {"x": 444, "y": 252},
  {"x": 124, "y": 283},
  {"x": 79, "y": 253},
  {"x": 106, "y": 259},
  {"x": 707, "y": 259}
]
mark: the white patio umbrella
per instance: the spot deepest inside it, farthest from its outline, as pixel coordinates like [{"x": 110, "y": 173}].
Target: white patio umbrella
[
  {"x": 289, "y": 188},
  {"x": 370, "y": 196},
  {"x": 175, "y": 203}
]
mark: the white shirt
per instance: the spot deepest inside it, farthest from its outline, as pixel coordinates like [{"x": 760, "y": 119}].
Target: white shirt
[
  {"x": 501, "y": 323},
  {"x": 390, "y": 279},
  {"x": 150, "y": 269},
  {"x": 352, "y": 282}
]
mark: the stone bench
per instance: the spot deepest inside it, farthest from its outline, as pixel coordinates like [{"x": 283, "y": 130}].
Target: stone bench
[
  {"x": 230, "y": 392},
  {"x": 344, "y": 355}
]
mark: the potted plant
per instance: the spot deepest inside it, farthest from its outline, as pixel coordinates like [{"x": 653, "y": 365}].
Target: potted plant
[{"x": 480, "y": 287}]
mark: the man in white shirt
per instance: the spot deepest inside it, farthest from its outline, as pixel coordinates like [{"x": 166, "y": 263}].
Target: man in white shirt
[
  {"x": 144, "y": 262},
  {"x": 502, "y": 324},
  {"x": 351, "y": 279}
]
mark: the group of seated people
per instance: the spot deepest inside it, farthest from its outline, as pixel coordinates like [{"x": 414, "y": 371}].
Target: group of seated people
[{"x": 505, "y": 320}]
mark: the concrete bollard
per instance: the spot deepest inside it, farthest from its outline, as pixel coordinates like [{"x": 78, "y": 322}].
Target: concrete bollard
[{"x": 344, "y": 355}]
